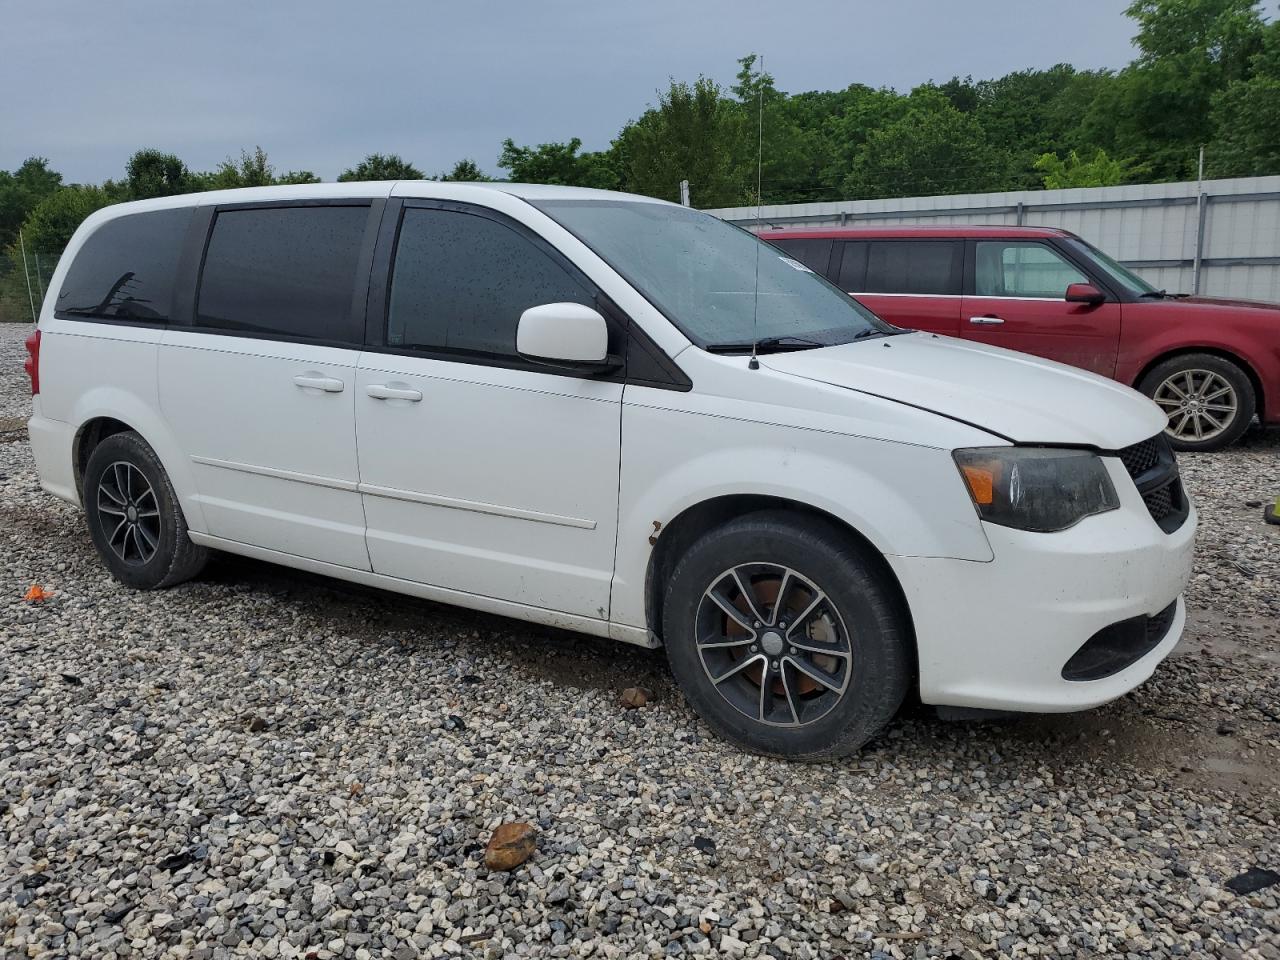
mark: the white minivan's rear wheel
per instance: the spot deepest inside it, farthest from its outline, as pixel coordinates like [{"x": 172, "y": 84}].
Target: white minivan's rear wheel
[
  {"x": 134, "y": 518},
  {"x": 785, "y": 637}
]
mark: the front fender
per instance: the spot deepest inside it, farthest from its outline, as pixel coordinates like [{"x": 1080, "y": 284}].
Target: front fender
[{"x": 904, "y": 499}]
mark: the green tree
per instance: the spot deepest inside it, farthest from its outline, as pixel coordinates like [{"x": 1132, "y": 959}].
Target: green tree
[
  {"x": 1226, "y": 33},
  {"x": 1159, "y": 108},
  {"x": 21, "y": 191},
  {"x": 1099, "y": 170},
  {"x": 45, "y": 232},
  {"x": 692, "y": 134},
  {"x": 1032, "y": 112},
  {"x": 858, "y": 112},
  {"x": 1246, "y": 117},
  {"x": 465, "y": 170},
  {"x": 965, "y": 95},
  {"x": 55, "y": 218},
  {"x": 558, "y": 163},
  {"x": 932, "y": 149},
  {"x": 151, "y": 173},
  {"x": 298, "y": 176},
  {"x": 253, "y": 169},
  {"x": 382, "y": 166},
  {"x": 777, "y": 133}
]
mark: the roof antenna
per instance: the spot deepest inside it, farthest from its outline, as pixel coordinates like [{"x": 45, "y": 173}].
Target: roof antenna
[{"x": 754, "y": 363}]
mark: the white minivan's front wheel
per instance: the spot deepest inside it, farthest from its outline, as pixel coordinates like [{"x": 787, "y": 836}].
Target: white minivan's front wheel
[{"x": 785, "y": 637}]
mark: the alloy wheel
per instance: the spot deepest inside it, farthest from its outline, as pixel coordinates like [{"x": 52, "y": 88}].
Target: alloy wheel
[
  {"x": 773, "y": 644},
  {"x": 130, "y": 513},
  {"x": 1200, "y": 404}
]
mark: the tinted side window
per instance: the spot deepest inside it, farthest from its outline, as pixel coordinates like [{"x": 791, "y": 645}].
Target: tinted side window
[
  {"x": 853, "y": 267},
  {"x": 126, "y": 269},
  {"x": 284, "y": 272},
  {"x": 461, "y": 281},
  {"x": 814, "y": 254},
  {"x": 1010, "y": 269},
  {"x": 913, "y": 266}
]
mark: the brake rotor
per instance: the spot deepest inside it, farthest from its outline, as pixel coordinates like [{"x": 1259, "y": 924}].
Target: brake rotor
[{"x": 819, "y": 630}]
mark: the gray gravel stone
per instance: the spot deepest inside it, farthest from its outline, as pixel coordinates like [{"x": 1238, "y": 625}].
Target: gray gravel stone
[{"x": 352, "y": 821}]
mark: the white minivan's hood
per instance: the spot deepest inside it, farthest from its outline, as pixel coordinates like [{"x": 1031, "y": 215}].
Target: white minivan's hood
[{"x": 1020, "y": 397}]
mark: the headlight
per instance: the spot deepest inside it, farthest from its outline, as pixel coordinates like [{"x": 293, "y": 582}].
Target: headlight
[{"x": 1034, "y": 488}]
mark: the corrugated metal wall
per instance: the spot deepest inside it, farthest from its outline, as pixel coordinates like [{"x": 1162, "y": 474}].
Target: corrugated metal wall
[{"x": 1154, "y": 228}]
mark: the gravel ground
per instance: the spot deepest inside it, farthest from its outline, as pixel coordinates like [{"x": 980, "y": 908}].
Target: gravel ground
[{"x": 265, "y": 763}]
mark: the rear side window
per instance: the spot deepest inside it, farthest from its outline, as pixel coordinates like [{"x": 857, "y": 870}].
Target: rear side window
[
  {"x": 913, "y": 266},
  {"x": 853, "y": 266},
  {"x": 814, "y": 254},
  {"x": 284, "y": 272},
  {"x": 461, "y": 281},
  {"x": 126, "y": 269}
]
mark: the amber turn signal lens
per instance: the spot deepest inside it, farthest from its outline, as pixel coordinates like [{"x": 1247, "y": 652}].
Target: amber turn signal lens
[{"x": 982, "y": 482}]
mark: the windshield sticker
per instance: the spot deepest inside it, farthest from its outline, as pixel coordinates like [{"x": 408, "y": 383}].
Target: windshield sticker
[{"x": 795, "y": 265}]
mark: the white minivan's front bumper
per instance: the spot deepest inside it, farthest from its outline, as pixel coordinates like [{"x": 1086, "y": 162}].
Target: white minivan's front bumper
[{"x": 997, "y": 635}]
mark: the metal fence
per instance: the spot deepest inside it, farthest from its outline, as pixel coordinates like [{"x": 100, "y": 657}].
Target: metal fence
[
  {"x": 24, "y": 281},
  {"x": 1218, "y": 238}
]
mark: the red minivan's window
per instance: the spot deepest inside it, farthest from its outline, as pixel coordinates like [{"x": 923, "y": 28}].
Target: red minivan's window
[{"x": 912, "y": 266}]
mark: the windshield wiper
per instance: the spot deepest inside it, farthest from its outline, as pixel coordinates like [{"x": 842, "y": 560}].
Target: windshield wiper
[
  {"x": 1155, "y": 294},
  {"x": 766, "y": 345}
]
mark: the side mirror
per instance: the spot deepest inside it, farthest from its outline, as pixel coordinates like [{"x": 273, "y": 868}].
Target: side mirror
[
  {"x": 565, "y": 334},
  {"x": 1084, "y": 293}
]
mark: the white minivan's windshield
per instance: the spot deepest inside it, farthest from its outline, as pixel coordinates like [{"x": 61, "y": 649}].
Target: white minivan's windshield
[{"x": 723, "y": 287}]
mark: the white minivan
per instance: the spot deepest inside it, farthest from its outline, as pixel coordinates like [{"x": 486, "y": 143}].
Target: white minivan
[{"x": 618, "y": 416}]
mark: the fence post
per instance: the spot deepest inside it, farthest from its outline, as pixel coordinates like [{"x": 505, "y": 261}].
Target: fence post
[
  {"x": 26, "y": 275},
  {"x": 1022, "y": 212},
  {"x": 1202, "y": 209},
  {"x": 39, "y": 279}
]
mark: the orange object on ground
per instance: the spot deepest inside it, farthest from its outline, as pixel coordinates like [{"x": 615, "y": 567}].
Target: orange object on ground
[{"x": 36, "y": 593}]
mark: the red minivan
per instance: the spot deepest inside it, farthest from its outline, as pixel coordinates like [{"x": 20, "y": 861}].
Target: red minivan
[{"x": 1211, "y": 364}]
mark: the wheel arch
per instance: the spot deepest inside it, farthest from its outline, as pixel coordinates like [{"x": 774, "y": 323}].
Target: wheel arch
[
  {"x": 91, "y": 433},
  {"x": 1172, "y": 354},
  {"x": 686, "y": 527},
  {"x": 105, "y": 413}
]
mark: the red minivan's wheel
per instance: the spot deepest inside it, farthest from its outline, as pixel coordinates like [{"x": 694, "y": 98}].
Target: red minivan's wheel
[{"x": 1209, "y": 400}]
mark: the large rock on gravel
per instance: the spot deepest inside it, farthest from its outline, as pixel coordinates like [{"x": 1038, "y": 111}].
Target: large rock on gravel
[{"x": 511, "y": 845}]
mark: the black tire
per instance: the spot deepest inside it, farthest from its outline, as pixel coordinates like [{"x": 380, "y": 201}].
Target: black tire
[
  {"x": 864, "y": 603},
  {"x": 1196, "y": 365},
  {"x": 157, "y": 553}
]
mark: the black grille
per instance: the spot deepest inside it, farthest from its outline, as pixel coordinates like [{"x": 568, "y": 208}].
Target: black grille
[
  {"x": 1113, "y": 648},
  {"x": 1141, "y": 457},
  {"x": 1154, "y": 470},
  {"x": 1160, "y": 502}
]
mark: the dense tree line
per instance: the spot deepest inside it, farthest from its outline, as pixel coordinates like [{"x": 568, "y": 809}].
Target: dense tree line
[{"x": 1207, "y": 74}]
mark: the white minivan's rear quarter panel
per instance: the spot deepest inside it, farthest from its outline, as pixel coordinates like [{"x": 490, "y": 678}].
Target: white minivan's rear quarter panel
[{"x": 91, "y": 370}]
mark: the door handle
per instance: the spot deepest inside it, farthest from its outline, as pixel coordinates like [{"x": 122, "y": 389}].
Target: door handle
[
  {"x": 318, "y": 381},
  {"x": 987, "y": 321},
  {"x": 381, "y": 391}
]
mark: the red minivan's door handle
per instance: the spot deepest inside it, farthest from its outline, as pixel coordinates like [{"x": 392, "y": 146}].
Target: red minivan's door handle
[{"x": 987, "y": 321}]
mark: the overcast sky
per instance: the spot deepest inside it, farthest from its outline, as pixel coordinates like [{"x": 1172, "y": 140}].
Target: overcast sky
[{"x": 320, "y": 84}]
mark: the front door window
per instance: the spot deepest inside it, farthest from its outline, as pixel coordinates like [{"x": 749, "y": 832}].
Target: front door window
[{"x": 1013, "y": 269}]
